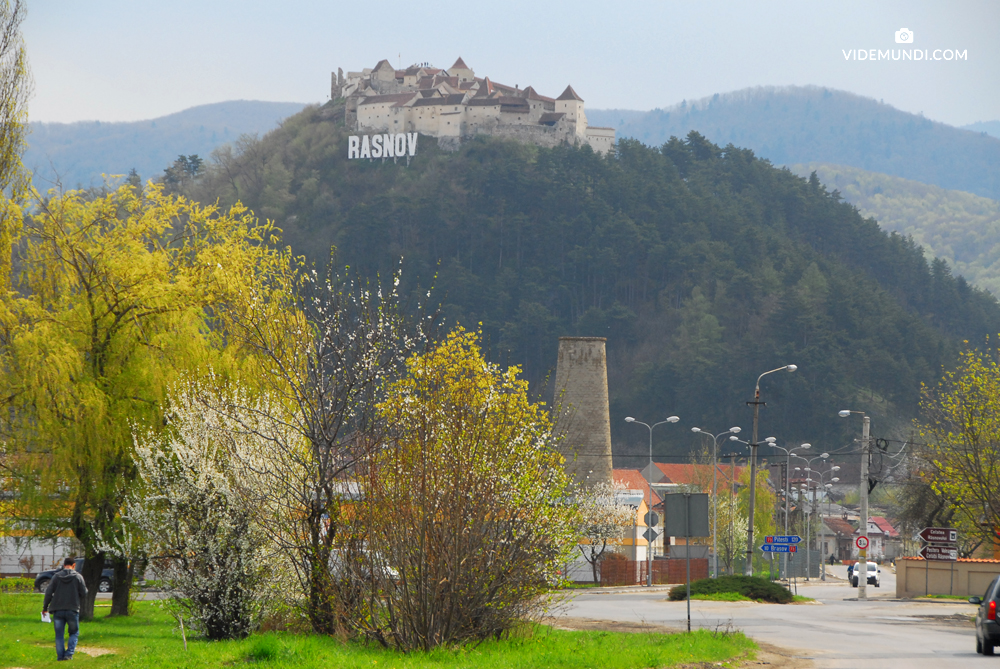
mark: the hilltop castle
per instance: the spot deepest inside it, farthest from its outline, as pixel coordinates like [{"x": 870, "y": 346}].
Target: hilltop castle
[{"x": 454, "y": 104}]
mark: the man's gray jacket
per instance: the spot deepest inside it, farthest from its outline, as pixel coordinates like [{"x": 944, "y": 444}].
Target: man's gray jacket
[{"x": 65, "y": 591}]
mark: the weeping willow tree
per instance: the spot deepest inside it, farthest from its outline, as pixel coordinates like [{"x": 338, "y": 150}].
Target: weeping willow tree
[{"x": 116, "y": 298}]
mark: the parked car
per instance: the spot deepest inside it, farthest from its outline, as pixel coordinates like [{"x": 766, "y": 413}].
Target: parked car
[
  {"x": 987, "y": 629},
  {"x": 106, "y": 584},
  {"x": 874, "y": 575}
]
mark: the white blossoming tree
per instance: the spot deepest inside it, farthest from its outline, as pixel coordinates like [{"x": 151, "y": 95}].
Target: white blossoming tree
[
  {"x": 204, "y": 542},
  {"x": 325, "y": 358},
  {"x": 603, "y": 518}
]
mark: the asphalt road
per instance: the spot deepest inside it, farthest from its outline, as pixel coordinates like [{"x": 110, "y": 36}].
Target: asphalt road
[{"x": 878, "y": 633}]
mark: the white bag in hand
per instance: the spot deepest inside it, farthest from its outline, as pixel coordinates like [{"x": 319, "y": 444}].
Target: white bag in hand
[{"x": 45, "y": 617}]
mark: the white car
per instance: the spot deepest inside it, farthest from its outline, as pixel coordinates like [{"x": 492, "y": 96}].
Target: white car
[{"x": 874, "y": 575}]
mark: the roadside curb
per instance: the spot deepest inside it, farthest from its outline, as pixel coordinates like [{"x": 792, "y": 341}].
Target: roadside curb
[{"x": 623, "y": 591}]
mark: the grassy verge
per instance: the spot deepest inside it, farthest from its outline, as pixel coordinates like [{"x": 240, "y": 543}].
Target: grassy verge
[
  {"x": 799, "y": 599},
  {"x": 959, "y": 598},
  {"x": 149, "y": 640},
  {"x": 721, "y": 597}
]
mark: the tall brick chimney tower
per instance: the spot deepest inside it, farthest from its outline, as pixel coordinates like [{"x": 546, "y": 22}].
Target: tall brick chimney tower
[{"x": 581, "y": 405}]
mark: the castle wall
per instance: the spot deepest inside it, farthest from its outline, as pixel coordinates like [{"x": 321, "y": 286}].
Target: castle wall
[
  {"x": 601, "y": 140},
  {"x": 534, "y": 134},
  {"x": 581, "y": 404}
]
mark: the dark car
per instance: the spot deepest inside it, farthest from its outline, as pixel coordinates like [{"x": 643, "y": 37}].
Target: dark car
[
  {"x": 987, "y": 629},
  {"x": 106, "y": 584}
]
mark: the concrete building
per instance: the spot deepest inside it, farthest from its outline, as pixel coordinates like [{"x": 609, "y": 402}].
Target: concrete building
[{"x": 454, "y": 104}]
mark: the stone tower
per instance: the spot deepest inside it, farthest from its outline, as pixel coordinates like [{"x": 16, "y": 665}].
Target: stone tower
[{"x": 581, "y": 406}]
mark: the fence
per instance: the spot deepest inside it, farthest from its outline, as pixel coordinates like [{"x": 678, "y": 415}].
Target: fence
[
  {"x": 630, "y": 572},
  {"x": 797, "y": 564}
]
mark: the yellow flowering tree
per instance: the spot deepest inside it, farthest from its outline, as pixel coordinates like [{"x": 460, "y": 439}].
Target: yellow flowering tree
[
  {"x": 112, "y": 300},
  {"x": 960, "y": 433},
  {"x": 465, "y": 519}
]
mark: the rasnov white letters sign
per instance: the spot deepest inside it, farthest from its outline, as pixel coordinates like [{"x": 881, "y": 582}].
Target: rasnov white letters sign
[{"x": 382, "y": 146}]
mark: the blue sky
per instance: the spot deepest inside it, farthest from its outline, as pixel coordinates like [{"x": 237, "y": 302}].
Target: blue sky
[{"x": 112, "y": 60}]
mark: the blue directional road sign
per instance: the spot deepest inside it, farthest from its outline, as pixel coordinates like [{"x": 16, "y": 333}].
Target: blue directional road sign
[
  {"x": 779, "y": 548},
  {"x": 783, "y": 539}
]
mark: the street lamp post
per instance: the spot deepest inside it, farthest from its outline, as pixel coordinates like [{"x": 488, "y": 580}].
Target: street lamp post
[
  {"x": 810, "y": 470},
  {"x": 715, "y": 505},
  {"x": 769, "y": 441},
  {"x": 732, "y": 495},
  {"x": 787, "y": 492},
  {"x": 748, "y": 570},
  {"x": 649, "y": 480},
  {"x": 862, "y": 552},
  {"x": 826, "y": 488}
]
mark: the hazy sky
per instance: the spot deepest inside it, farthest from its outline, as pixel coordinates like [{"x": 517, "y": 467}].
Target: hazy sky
[{"x": 113, "y": 60}]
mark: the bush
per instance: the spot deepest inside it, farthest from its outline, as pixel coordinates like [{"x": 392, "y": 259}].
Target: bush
[
  {"x": 466, "y": 498},
  {"x": 17, "y": 585},
  {"x": 752, "y": 587}
]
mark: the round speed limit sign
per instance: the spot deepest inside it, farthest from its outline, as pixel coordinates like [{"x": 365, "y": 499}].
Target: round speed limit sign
[{"x": 862, "y": 542}]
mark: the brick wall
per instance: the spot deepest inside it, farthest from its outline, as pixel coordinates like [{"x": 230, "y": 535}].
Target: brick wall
[{"x": 629, "y": 572}]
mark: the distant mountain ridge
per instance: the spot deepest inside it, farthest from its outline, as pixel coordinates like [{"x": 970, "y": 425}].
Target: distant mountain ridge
[
  {"x": 989, "y": 127},
  {"x": 802, "y": 124},
  {"x": 77, "y": 154}
]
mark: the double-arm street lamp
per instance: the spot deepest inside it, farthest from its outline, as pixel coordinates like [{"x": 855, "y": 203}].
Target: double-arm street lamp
[
  {"x": 786, "y": 491},
  {"x": 756, "y": 403},
  {"x": 809, "y": 470},
  {"x": 715, "y": 505},
  {"x": 862, "y": 552},
  {"x": 649, "y": 479}
]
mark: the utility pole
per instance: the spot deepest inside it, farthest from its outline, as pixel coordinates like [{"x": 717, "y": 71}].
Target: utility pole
[
  {"x": 863, "y": 552},
  {"x": 756, "y": 404},
  {"x": 748, "y": 568}
]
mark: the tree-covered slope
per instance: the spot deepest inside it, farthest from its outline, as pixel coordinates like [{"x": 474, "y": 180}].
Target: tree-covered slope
[
  {"x": 77, "y": 154},
  {"x": 702, "y": 266},
  {"x": 810, "y": 124},
  {"x": 959, "y": 227}
]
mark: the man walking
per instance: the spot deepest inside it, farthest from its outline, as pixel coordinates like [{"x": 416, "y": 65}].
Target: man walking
[{"x": 65, "y": 592}]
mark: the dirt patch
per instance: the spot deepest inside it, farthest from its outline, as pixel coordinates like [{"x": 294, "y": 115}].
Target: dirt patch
[
  {"x": 953, "y": 620},
  {"x": 768, "y": 655},
  {"x": 94, "y": 652},
  {"x": 582, "y": 624}
]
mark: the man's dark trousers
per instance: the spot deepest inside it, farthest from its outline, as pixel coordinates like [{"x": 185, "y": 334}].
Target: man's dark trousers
[{"x": 62, "y": 620}]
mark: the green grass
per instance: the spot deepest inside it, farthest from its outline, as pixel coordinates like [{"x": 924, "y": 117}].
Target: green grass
[
  {"x": 961, "y": 598},
  {"x": 800, "y": 599},
  {"x": 722, "y": 597},
  {"x": 149, "y": 640}
]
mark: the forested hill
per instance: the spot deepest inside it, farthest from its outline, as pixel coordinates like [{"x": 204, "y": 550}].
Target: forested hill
[
  {"x": 702, "y": 266},
  {"x": 959, "y": 227},
  {"x": 806, "y": 124}
]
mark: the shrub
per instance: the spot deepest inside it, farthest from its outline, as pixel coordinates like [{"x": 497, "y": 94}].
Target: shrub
[
  {"x": 467, "y": 499},
  {"x": 17, "y": 585},
  {"x": 752, "y": 587}
]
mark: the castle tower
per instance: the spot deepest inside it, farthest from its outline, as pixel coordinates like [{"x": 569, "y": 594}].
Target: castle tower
[
  {"x": 581, "y": 405},
  {"x": 571, "y": 104},
  {"x": 462, "y": 71}
]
